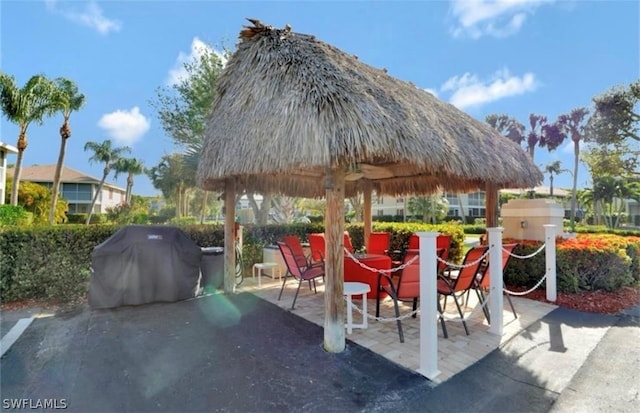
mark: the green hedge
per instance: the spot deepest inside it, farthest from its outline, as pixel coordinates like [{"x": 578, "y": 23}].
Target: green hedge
[{"x": 53, "y": 263}]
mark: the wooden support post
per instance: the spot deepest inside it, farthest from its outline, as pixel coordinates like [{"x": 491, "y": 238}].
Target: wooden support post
[
  {"x": 229, "y": 236},
  {"x": 367, "y": 188},
  {"x": 491, "y": 205},
  {"x": 334, "y": 335}
]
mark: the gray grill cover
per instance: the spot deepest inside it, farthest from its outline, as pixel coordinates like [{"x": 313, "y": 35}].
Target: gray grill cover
[{"x": 144, "y": 264}]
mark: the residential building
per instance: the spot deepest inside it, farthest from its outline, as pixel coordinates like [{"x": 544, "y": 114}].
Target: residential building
[
  {"x": 5, "y": 150},
  {"x": 472, "y": 204},
  {"x": 77, "y": 189}
]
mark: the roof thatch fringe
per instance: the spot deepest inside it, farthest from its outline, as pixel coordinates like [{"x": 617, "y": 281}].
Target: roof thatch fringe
[{"x": 288, "y": 106}]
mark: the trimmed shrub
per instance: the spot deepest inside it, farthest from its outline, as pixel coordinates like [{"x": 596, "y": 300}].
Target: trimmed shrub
[{"x": 15, "y": 215}]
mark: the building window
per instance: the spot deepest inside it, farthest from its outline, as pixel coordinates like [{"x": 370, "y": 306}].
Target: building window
[
  {"x": 476, "y": 198},
  {"x": 110, "y": 194},
  {"x": 379, "y": 200},
  {"x": 76, "y": 192},
  {"x": 400, "y": 201},
  {"x": 380, "y": 212},
  {"x": 400, "y": 212}
]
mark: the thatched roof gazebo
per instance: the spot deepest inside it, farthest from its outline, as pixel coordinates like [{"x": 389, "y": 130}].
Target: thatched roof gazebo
[{"x": 296, "y": 116}]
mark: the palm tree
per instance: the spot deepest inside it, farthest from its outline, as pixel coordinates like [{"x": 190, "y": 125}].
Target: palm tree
[
  {"x": 173, "y": 178},
  {"x": 553, "y": 168},
  {"x": 132, "y": 167},
  {"x": 432, "y": 207},
  {"x": 22, "y": 106},
  {"x": 574, "y": 125},
  {"x": 103, "y": 153},
  {"x": 67, "y": 99}
]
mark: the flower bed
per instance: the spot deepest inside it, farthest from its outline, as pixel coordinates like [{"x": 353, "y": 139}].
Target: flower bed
[{"x": 588, "y": 262}]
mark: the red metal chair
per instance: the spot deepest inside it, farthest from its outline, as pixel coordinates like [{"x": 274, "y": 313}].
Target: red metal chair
[
  {"x": 300, "y": 273},
  {"x": 405, "y": 288},
  {"x": 450, "y": 285},
  {"x": 316, "y": 243},
  {"x": 294, "y": 243},
  {"x": 442, "y": 241},
  {"x": 347, "y": 242},
  {"x": 379, "y": 243},
  {"x": 482, "y": 281}
]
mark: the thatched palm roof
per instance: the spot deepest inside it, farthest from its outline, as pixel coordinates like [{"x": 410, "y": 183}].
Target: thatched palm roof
[{"x": 289, "y": 106}]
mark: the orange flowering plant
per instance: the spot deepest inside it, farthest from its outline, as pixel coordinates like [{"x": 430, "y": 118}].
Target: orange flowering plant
[{"x": 587, "y": 262}]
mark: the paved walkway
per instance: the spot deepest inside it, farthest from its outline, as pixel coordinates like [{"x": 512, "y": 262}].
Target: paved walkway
[
  {"x": 243, "y": 354},
  {"x": 455, "y": 354}
]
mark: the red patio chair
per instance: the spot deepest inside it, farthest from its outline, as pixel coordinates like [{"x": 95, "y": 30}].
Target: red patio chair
[
  {"x": 316, "y": 243},
  {"x": 300, "y": 273},
  {"x": 379, "y": 243},
  {"x": 294, "y": 243},
  {"x": 405, "y": 288},
  {"x": 347, "y": 242},
  {"x": 482, "y": 281},
  {"x": 450, "y": 285}
]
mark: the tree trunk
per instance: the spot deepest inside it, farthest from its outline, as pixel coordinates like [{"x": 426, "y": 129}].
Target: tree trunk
[
  {"x": 462, "y": 211},
  {"x": 95, "y": 197},
  {"x": 17, "y": 171},
  {"x": 576, "y": 160},
  {"x": 178, "y": 202},
  {"x": 55, "y": 189},
  {"x": 334, "y": 336},
  {"x": 127, "y": 196},
  {"x": 203, "y": 208}
]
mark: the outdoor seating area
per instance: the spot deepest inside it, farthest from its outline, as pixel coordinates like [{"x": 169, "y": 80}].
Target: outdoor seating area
[
  {"x": 393, "y": 329},
  {"x": 455, "y": 353}
]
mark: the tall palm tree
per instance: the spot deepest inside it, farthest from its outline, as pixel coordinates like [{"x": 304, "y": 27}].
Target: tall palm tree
[
  {"x": 553, "y": 168},
  {"x": 22, "y": 106},
  {"x": 67, "y": 99},
  {"x": 132, "y": 167},
  {"x": 173, "y": 178},
  {"x": 107, "y": 154},
  {"x": 574, "y": 125}
]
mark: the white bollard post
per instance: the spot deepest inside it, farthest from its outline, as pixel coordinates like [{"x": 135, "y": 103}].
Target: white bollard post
[
  {"x": 428, "y": 306},
  {"x": 496, "y": 282},
  {"x": 550, "y": 261}
]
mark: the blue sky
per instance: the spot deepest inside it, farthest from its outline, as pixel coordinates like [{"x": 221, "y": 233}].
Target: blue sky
[{"x": 508, "y": 56}]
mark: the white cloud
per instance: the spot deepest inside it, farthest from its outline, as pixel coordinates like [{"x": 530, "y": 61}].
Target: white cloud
[
  {"x": 498, "y": 18},
  {"x": 468, "y": 90},
  {"x": 568, "y": 147},
  {"x": 125, "y": 127},
  {"x": 198, "y": 48},
  {"x": 89, "y": 15}
]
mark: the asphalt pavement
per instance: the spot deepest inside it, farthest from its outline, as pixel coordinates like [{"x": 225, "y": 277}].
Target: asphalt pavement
[{"x": 242, "y": 354}]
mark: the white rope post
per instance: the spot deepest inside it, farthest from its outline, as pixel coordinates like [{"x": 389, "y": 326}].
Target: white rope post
[
  {"x": 496, "y": 283},
  {"x": 428, "y": 306},
  {"x": 550, "y": 261}
]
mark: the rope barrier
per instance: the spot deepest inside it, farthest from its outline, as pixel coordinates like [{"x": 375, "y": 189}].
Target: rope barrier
[
  {"x": 459, "y": 266},
  {"x": 376, "y": 270},
  {"x": 518, "y": 293},
  {"x": 524, "y": 257},
  {"x": 444, "y": 315}
]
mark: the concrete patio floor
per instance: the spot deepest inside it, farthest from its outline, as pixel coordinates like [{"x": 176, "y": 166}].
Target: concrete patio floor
[{"x": 455, "y": 354}]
